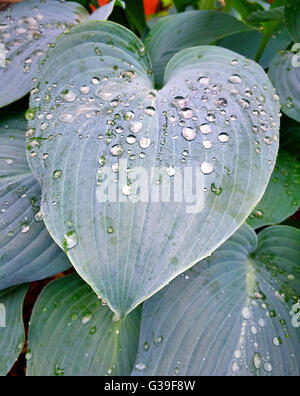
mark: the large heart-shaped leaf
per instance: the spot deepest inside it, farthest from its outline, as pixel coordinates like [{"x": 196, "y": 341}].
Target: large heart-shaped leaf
[
  {"x": 282, "y": 197},
  {"x": 71, "y": 334},
  {"x": 27, "y": 252},
  {"x": 12, "y": 335},
  {"x": 176, "y": 32},
  {"x": 216, "y": 121},
  {"x": 236, "y": 313},
  {"x": 26, "y": 31},
  {"x": 284, "y": 72}
]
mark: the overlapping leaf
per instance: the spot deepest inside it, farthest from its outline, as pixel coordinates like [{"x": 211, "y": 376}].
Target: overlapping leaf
[
  {"x": 26, "y": 31},
  {"x": 236, "y": 313},
  {"x": 282, "y": 197},
  {"x": 71, "y": 334},
  {"x": 12, "y": 334},
  {"x": 284, "y": 72},
  {"x": 103, "y": 13},
  {"x": 292, "y": 17},
  {"x": 189, "y": 29},
  {"x": 27, "y": 252},
  {"x": 100, "y": 125}
]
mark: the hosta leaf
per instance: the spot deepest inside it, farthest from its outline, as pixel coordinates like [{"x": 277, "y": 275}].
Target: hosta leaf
[
  {"x": 176, "y": 32},
  {"x": 235, "y": 313},
  {"x": 290, "y": 140},
  {"x": 248, "y": 43},
  {"x": 284, "y": 72},
  {"x": 292, "y": 19},
  {"x": 71, "y": 334},
  {"x": 104, "y": 12},
  {"x": 204, "y": 122},
  {"x": 26, "y": 30},
  {"x": 282, "y": 197},
  {"x": 27, "y": 252},
  {"x": 12, "y": 334}
]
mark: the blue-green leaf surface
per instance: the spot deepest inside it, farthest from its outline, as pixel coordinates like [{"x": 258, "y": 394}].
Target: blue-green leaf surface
[
  {"x": 188, "y": 29},
  {"x": 282, "y": 197},
  {"x": 99, "y": 116},
  {"x": 71, "y": 334},
  {"x": 27, "y": 252},
  {"x": 12, "y": 335},
  {"x": 26, "y": 31},
  {"x": 235, "y": 313},
  {"x": 284, "y": 73}
]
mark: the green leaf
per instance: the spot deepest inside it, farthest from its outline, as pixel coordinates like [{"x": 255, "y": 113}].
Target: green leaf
[
  {"x": 27, "y": 252},
  {"x": 244, "y": 7},
  {"x": 235, "y": 313},
  {"x": 129, "y": 246},
  {"x": 104, "y": 12},
  {"x": 26, "y": 30},
  {"x": 274, "y": 14},
  {"x": 248, "y": 43},
  {"x": 292, "y": 20},
  {"x": 136, "y": 16},
  {"x": 182, "y": 4},
  {"x": 290, "y": 140},
  {"x": 189, "y": 29},
  {"x": 282, "y": 197},
  {"x": 71, "y": 334},
  {"x": 12, "y": 336},
  {"x": 284, "y": 72}
]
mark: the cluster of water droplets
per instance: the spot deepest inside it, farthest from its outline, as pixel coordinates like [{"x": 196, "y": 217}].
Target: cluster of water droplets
[{"x": 27, "y": 36}]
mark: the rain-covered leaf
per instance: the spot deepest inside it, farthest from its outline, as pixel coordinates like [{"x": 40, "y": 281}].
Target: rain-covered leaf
[
  {"x": 71, "y": 334},
  {"x": 236, "y": 313},
  {"x": 282, "y": 197},
  {"x": 274, "y": 14},
  {"x": 292, "y": 20},
  {"x": 114, "y": 144},
  {"x": 189, "y": 29},
  {"x": 12, "y": 334},
  {"x": 26, "y": 30},
  {"x": 284, "y": 73},
  {"x": 104, "y": 12},
  {"x": 248, "y": 43},
  {"x": 27, "y": 252}
]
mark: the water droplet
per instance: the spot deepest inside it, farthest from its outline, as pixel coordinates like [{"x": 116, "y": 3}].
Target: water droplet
[
  {"x": 189, "y": 133},
  {"x": 57, "y": 174},
  {"x": 186, "y": 113},
  {"x": 179, "y": 102},
  {"x": 205, "y": 129},
  {"x": 207, "y": 168},
  {"x": 117, "y": 150},
  {"x": 257, "y": 361},
  {"x": 235, "y": 79},
  {"x": 145, "y": 143},
  {"x": 136, "y": 127},
  {"x": 70, "y": 240},
  {"x": 87, "y": 318},
  {"x": 131, "y": 139},
  {"x": 223, "y": 137}
]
